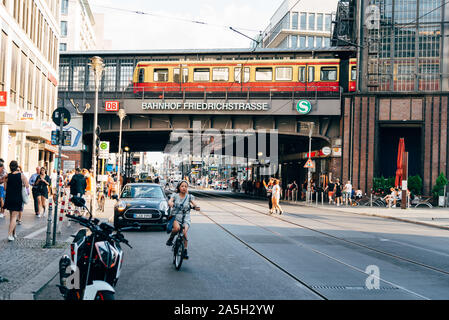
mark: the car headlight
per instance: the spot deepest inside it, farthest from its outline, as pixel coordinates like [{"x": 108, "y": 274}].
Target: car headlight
[
  {"x": 121, "y": 206},
  {"x": 163, "y": 206}
]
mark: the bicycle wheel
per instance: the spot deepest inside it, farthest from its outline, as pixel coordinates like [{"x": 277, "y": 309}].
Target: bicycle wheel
[{"x": 178, "y": 253}]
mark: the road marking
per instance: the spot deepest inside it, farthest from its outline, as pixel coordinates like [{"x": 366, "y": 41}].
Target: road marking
[{"x": 35, "y": 233}]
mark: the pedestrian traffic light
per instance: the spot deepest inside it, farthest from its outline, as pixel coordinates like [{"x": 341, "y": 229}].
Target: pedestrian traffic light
[{"x": 97, "y": 145}]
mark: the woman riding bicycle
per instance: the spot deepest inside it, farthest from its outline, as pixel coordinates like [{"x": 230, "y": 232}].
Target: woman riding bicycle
[{"x": 178, "y": 202}]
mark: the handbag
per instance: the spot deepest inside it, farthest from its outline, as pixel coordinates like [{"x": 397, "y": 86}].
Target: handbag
[{"x": 25, "y": 196}]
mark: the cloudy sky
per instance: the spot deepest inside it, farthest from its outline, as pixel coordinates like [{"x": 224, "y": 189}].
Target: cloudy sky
[{"x": 163, "y": 25}]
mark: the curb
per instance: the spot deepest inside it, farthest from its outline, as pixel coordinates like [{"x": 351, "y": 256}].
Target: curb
[{"x": 380, "y": 216}]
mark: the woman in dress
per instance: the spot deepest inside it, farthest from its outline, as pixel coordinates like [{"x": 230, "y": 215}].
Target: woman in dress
[
  {"x": 338, "y": 194},
  {"x": 276, "y": 196},
  {"x": 13, "y": 199},
  {"x": 42, "y": 183},
  {"x": 269, "y": 190},
  {"x": 181, "y": 200}
]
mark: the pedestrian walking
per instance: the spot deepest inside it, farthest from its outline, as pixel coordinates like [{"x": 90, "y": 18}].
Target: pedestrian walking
[
  {"x": 330, "y": 191},
  {"x": 269, "y": 191},
  {"x": 348, "y": 193},
  {"x": 43, "y": 183},
  {"x": 34, "y": 189},
  {"x": 19, "y": 217},
  {"x": 276, "y": 197},
  {"x": 338, "y": 193},
  {"x": 3, "y": 175},
  {"x": 13, "y": 198}
]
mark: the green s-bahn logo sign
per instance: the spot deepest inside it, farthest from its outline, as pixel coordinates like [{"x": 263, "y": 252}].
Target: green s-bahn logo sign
[{"x": 303, "y": 106}]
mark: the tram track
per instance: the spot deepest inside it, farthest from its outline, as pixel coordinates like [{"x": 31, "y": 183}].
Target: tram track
[
  {"x": 308, "y": 286},
  {"x": 338, "y": 238}
]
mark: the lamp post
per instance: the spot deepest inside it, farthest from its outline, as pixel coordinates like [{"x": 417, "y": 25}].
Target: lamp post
[
  {"x": 127, "y": 162},
  {"x": 309, "y": 172},
  {"x": 121, "y": 114},
  {"x": 97, "y": 67}
]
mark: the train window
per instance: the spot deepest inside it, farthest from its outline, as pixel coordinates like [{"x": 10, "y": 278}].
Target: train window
[
  {"x": 311, "y": 74},
  {"x": 185, "y": 75},
  {"x": 176, "y": 75},
  {"x": 284, "y": 73},
  {"x": 353, "y": 73},
  {"x": 220, "y": 74},
  {"x": 201, "y": 74},
  {"x": 328, "y": 74},
  {"x": 238, "y": 75},
  {"x": 302, "y": 74},
  {"x": 141, "y": 75},
  {"x": 160, "y": 75},
  {"x": 264, "y": 74}
]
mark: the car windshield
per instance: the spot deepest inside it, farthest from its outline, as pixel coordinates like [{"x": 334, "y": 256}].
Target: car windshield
[{"x": 136, "y": 191}]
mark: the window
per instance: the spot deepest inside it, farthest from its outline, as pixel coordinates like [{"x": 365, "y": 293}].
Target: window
[
  {"x": 109, "y": 75},
  {"x": 353, "y": 73},
  {"x": 65, "y": 6},
  {"x": 327, "y": 22},
  {"x": 14, "y": 63},
  {"x": 63, "y": 28},
  {"x": 79, "y": 72},
  {"x": 160, "y": 75},
  {"x": 141, "y": 75},
  {"x": 185, "y": 75},
  {"x": 294, "y": 43},
  {"x": 311, "y": 74},
  {"x": 310, "y": 42},
  {"x": 201, "y": 74},
  {"x": 64, "y": 70},
  {"x": 284, "y": 73},
  {"x": 327, "y": 42},
  {"x": 220, "y": 74},
  {"x": 264, "y": 74},
  {"x": 319, "y": 42},
  {"x": 238, "y": 75},
  {"x": 63, "y": 46},
  {"x": 311, "y": 21},
  {"x": 2, "y": 60},
  {"x": 328, "y": 74},
  {"x": 303, "y": 21},
  {"x": 319, "y": 22},
  {"x": 126, "y": 74},
  {"x": 23, "y": 68},
  {"x": 176, "y": 75},
  {"x": 302, "y": 42},
  {"x": 302, "y": 74},
  {"x": 295, "y": 20}
]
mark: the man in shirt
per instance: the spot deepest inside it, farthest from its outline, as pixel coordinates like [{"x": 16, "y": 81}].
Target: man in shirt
[{"x": 34, "y": 189}]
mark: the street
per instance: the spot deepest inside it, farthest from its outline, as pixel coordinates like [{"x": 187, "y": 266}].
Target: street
[{"x": 238, "y": 251}]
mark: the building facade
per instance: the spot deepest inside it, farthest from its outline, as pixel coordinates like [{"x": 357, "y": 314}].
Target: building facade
[
  {"x": 29, "y": 60},
  {"x": 300, "y": 24},
  {"x": 402, "y": 91}
]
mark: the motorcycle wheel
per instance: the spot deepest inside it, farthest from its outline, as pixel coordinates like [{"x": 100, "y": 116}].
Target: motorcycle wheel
[{"x": 104, "y": 295}]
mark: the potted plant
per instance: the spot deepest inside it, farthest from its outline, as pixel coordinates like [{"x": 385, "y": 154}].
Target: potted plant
[{"x": 439, "y": 189}]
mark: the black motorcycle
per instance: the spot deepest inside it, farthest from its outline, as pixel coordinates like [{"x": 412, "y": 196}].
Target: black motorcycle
[{"x": 93, "y": 268}]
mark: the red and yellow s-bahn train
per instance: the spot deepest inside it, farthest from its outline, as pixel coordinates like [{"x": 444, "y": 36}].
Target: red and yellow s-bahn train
[{"x": 314, "y": 75}]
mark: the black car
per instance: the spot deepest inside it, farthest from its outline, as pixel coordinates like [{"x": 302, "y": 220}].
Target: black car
[{"x": 145, "y": 203}]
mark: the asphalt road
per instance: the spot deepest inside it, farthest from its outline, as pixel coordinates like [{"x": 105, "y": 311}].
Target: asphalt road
[{"x": 238, "y": 251}]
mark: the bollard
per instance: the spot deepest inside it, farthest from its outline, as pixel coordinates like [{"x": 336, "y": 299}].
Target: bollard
[
  {"x": 322, "y": 198},
  {"x": 371, "y": 200},
  {"x": 61, "y": 215},
  {"x": 50, "y": 210},
  {"x": 316, "y": 198}
]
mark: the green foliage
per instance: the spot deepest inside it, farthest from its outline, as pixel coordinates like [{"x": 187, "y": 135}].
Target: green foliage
[
  {"x": 415, "y": 184},
  {"x": 438, "y": 189},
  {"x": 383, "y": 184}
]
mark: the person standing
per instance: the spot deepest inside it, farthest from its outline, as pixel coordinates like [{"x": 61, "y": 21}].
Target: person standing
[
  {"x": 348, "y": 193},
  {"x": 34, "y": 189},
  {"x": 269, "y": 190},
  {"x": 43, "y": 183},
  {"x": 3, "y": 175},
  {"x": 338, "y": 194},
  {"x": 330, "y": 191},
  {"x": 276, "y": 196},
  {"x": 13, "y": 198}
]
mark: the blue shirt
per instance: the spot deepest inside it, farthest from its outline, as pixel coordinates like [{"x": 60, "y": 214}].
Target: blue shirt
[{"x": 33, "y": 179}]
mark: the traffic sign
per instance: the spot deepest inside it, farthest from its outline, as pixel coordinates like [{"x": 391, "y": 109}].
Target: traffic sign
[
  {"x": 58, "y": 113},
  {"x": 303, "y": 106},
  {"x": 326, "y": 151},
  {"x": 103, "y": 150},
  {"x": 67, "y": 138},
  {"x": 309, "y": 164}
]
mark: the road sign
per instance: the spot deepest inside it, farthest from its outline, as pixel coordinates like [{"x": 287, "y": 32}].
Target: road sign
[
  {"x": 111, "y": 105},
  {"x": 58, "y": 113},
  {"x": 67, "y": 138},
  {"x": 303, "y": 106},
  {"x": 103, "y": 150},
  {"x": 309, "y": 164}
]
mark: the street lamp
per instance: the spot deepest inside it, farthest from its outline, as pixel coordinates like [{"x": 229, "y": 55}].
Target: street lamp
[
  {"x": 309, "y": 172},
  {"x": 97, "y": 67},
  {"x": 121, "y": 114},
  {"x": 127, "y": 162}
]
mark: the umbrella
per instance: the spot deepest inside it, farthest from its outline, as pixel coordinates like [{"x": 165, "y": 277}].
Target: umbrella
[{"x": 399, "y": 171}]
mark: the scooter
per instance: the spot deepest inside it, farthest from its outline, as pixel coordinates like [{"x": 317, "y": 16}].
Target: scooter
[{"x": 93, "y": 268}]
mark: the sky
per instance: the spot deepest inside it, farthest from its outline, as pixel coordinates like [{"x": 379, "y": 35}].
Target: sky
[{"x": 165, "y": 29}]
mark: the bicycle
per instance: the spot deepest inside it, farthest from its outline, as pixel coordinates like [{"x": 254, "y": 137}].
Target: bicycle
[{"x": 178, "y": 244}]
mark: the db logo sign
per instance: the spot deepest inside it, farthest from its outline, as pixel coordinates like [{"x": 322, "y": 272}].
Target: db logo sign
[
  {"x": 3, "y": 98},
  {"x": 111, "y": 105}
]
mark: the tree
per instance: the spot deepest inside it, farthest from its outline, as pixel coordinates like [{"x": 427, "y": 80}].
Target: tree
[
  {"x": 438, "y": 189},
  {"x": 415, "y": 184}
]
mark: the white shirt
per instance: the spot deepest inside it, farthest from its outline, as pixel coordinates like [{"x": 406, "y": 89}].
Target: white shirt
[{"x": 348, "y": 188}]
